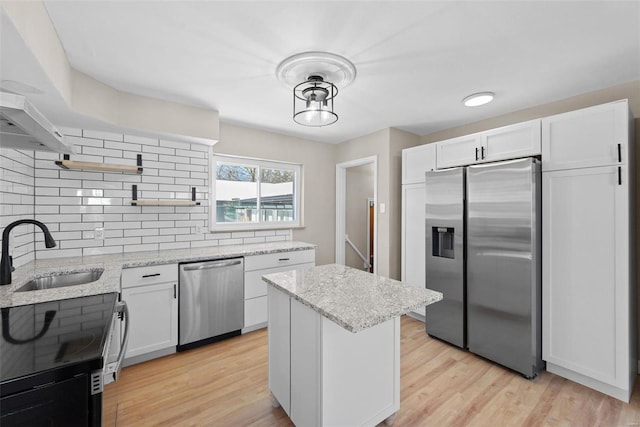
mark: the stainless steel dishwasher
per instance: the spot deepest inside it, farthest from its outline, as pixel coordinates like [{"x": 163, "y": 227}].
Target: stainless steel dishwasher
[{"x": 211, "y": 301}]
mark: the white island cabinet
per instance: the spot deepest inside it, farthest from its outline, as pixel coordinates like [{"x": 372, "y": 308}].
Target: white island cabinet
[{"x": 334, "y": 344}]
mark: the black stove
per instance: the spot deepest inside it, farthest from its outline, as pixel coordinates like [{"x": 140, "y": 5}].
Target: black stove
[{"x": 53, "y": 343}]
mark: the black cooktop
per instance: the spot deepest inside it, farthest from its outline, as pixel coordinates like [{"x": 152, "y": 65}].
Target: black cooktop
[{"x": 51, "y": 335}]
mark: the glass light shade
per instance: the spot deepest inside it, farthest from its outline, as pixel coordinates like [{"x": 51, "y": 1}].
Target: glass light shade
[{"x": 313, "y": 102}]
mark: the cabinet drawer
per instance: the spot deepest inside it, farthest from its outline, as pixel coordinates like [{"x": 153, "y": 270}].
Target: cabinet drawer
[
  {"x": 254, "y": 286},
  {"x": 149, "y": 275},
  {"x": 259, "y": 262},
  {"x": 255, "y": 311}
]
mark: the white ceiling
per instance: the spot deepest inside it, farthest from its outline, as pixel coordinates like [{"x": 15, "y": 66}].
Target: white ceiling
[{"x": 415, "y": 60}]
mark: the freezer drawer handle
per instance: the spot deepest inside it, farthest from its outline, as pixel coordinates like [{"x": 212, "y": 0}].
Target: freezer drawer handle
[
  {"x": 213, "y": 265},
  {"x": 150, "y": 275}
]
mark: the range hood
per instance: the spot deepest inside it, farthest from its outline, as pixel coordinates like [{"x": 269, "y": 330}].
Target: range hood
[{"x": 23, "y": 127}]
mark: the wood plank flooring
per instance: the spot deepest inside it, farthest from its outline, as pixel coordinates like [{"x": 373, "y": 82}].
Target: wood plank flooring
[{"x": 225, "y": 384}]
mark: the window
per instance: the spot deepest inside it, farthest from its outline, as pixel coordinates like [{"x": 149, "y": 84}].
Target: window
[{"x": 251, "y": 193}]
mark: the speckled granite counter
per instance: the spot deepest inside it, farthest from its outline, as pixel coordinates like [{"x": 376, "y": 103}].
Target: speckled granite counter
[
  {"x": 113, "y": 264},
  {"x": 354, "y": 299}
]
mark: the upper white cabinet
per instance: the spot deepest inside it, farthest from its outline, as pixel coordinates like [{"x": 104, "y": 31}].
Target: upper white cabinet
[
  {"x": 416, "y": 161},
  {"x": 595, "y": 136},
  {"x": 511, "y": 142},
  {"x": 508, "y": 142},
  {"x": 464, "y": 150}
]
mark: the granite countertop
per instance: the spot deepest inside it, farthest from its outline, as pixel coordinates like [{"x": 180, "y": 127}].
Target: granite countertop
[
  {"x": 354, "y": 299},
  {"x": 113, "y": 265}
]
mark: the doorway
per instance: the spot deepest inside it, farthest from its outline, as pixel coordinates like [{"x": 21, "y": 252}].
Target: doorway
[{"x": 356, "y": 222}]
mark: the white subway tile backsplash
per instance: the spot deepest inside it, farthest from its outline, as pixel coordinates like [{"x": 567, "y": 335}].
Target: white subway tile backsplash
[
  {"x": 73, "y": 203},
  {"x": 140, "y": 140},
  {"x": 102, "y": 135}
]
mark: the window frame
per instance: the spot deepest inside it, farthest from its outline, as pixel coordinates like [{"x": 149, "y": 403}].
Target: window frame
[{"x": 260, "y": 164}]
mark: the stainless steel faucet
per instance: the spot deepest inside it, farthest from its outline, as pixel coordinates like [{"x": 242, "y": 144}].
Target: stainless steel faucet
[{"x": 6, "y": 264}]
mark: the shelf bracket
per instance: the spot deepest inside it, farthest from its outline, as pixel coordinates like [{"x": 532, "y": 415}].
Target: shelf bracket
[{"x": 139, "y": 163}]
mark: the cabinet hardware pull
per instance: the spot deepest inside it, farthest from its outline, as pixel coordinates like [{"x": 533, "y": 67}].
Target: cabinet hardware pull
[
  {"x": 619, "y": 175},
  {"x": 283, "y": 259},
  {"x": 476, "y": 153},
  {"x": 482, "y": 153},
  {"x": 150, "y": 275},
  {"x": 174, "y": 291},
  {"x": 619, "y": 153}
]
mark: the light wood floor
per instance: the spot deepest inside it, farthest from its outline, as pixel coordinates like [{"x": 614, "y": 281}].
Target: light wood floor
[{"x": 225, "y": 384}]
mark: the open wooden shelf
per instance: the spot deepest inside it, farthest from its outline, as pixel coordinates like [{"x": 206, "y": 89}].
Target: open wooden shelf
[
  {"x": 100, "y": 167},
  {"x": 162, "y": 202}
]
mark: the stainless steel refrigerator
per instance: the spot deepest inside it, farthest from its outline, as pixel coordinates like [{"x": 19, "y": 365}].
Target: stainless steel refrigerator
[{"x": 483, "y": 253}]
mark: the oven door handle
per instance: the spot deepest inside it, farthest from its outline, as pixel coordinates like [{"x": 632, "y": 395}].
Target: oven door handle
[{"x": 121, "y": 307}]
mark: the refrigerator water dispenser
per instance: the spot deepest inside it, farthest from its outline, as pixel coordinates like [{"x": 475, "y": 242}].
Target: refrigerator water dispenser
[{"x": 443, "y": 244}]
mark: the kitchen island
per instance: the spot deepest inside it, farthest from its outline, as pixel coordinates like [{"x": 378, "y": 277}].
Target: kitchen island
[{"x": 334, "y": 344}]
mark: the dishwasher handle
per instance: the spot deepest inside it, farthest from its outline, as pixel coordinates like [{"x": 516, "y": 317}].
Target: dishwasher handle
[{"x": 215, "y": 264}]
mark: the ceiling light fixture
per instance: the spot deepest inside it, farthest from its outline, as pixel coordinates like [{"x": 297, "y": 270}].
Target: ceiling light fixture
[
  {"x": 478, "y": 99},
  {"x": 314, "y": 78}
]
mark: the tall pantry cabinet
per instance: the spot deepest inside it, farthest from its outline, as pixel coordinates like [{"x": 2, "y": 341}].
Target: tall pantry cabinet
[
  {"x": 415, "y": 162},
  {"x": 589, "y": 248}
]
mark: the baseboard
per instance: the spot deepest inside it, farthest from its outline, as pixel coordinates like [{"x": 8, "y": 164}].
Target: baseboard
[
  {"x": 148, "y": 356},
  {"x": 420, "y": 317},
  {"x": 254, "y": 327}
]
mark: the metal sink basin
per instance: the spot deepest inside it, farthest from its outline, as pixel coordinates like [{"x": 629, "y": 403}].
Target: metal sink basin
[{"x": 61, "y": 280}]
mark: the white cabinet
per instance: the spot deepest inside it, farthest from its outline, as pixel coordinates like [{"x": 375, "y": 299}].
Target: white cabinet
[
  {"x": 151, "y": 293},
  {"x": 464, "y": 150},
  {"x": 511, "y": 142},
  {"x": 589, "y": 137},
  {"x": 255, "y": 289},
  {"x": 416, "y": 161},
  {"x": 589, "y": 329},
  {"x": 508, "y": 142},
  {"x": 324, "y": 375},
  {"x": 413, "y": 237}
]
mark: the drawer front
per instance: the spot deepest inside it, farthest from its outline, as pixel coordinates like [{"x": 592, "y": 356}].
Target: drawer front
[
  {"x": 149, "y": 275},
  {"x": 279, "y": 259},
  {"x": 254, "y": 286},
  {"x": 255, "y": 311}
]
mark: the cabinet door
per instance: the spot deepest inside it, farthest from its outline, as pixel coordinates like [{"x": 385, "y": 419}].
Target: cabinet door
[
  {"x": 154, "y": 318},
  {"x": 413, "y": 237},
  {"x": 279, "y": 348},
  {"x": 464, "y": 150},
  {"x": 586, "y": 138},
  {"x": 511, "y": 142},
  {"x": 416, "y": 161},
  {"x": 586, "y": 273}
]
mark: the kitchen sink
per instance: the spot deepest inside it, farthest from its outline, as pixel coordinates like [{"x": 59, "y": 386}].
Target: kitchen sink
[{"x": 61, "y": 280}]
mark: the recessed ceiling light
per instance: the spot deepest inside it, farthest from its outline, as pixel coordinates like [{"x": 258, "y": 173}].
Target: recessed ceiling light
[{"x": 478, "y": 99}]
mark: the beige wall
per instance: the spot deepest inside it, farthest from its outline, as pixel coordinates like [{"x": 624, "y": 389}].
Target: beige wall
[
  {"x": 630, "y": 91},
  {"x": 359, "y": 188},
  {"x": 319, "y": 181},
  {"x": 374, "y": 144}
]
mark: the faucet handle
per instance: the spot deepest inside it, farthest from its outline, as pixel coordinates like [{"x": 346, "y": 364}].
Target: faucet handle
[{"x": 11, "y": 263}]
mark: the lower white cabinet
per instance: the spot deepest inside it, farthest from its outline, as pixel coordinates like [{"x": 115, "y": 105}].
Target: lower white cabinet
[
  {"x": 413, "y": 237},
  {"x": 153, "y": 309},
  {"x": 255, "y": 289},
  {"x": 588, "y": 278},
  {"x": 323, "y": 375}
]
